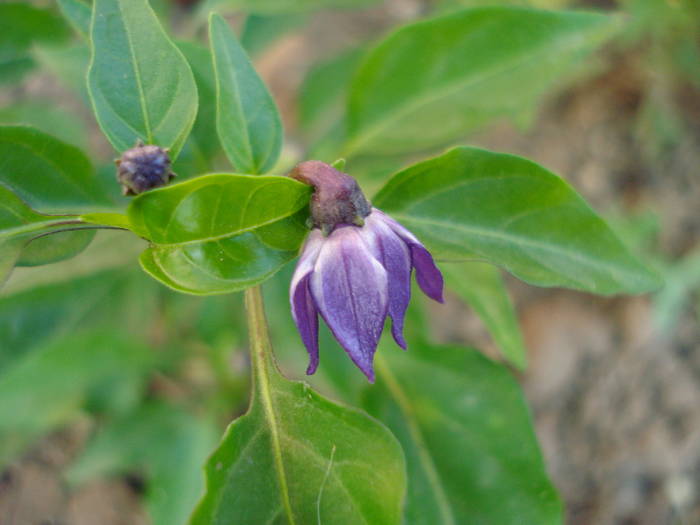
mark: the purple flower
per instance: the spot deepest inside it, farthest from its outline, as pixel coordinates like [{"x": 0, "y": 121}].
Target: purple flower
[{"x": 356, "y": 273}]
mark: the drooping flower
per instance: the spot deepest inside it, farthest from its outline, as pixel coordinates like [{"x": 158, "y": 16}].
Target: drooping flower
[{"x": 355, "y": 269}]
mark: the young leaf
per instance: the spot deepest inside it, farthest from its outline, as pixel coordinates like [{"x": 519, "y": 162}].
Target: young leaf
[
  {"x": 78, "y": 13},
  {"x": 470, "y": 204},
  {"x": 298, "y": 458},
  {"x": 140, "y": 84},
  {"x": 47, "y": 173},
  {"x": 433, "y": 81},
  {"x": 252, "y": 226},
  {"x": 471, "y": 453},
  {"x": 247, "y": 120},
  {"x": 54, "y": 247},
  {"x": 480, "y": 285}
]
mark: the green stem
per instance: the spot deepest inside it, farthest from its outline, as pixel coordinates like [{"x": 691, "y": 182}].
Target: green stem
[{"x": 263, "y": 375}]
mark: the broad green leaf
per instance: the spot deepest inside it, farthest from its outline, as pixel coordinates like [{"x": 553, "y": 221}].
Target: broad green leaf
[
  {"x": 247, "y": 120},
  {"x": 433, "y": 81},
  {"x": 298, "y": 458},
  {"x": 166, "y": 444},
  {"x": 215, "y": 207},
  {"x": 474, "y": 204},
  {"x": 50, "y": 386},
  {"x": 47, "y": 173},
  {"x": 49, "y": 118},
  {"x": 220, "y": 233},
  {"x": 140, "y": 84},
  {"x": 480, "y": 285},
  {"x": 55, "y": 246},
  {"x": 78, "y": 13},
  {"x": 471, "y": 453}
]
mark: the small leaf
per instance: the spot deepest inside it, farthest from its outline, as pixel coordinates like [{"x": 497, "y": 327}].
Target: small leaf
[
  {"x": 247, "y": 119},
  {"x": 220, "y": 233},
  {"x": 480, "y": 285},
  {"x": 433, "y": 81},
  {"x": 78, "y": 13},
  {"x": 54, "y": 247},
  {"x": 140, "y": 84},
  {"x": 47, "y": 173},
  {"x": 475, "y": 204},
  {"x": 296, "y": 457},
  {"x": 471, "y": 453}
]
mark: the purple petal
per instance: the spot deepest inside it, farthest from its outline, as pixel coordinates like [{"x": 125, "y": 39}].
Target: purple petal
[
  {"x": 303, "y": 309},
  {"x": 349, "y": 287},
  {"x": 394, "y": 255},
  {"x": 428, "y": 276}
]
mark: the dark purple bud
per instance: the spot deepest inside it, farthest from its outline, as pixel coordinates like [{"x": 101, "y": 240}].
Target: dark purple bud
[
  {"x": 337, "y": 198},
  {"x": 143, "y": 168},
  {"x": 357, "y": 274}
]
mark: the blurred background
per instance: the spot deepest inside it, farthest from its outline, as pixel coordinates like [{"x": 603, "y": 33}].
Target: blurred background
[{"x": 613, "y": 383}]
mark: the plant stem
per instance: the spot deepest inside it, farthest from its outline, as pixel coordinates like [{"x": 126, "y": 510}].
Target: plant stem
[{"x": 264, "y": 374}]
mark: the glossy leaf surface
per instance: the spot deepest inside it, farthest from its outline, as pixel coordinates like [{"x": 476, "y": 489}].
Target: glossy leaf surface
[
  {"x": 481, "y": 286},
  {"x": 140, "y": 84},
  {"x": 220, "y": 233},
  {"x": 471, "y": 453},
  {"x": 48, "y": 174},
  {"x": 296, "y": 457},
  {"x": 475, "y": 204},
  {"x": 247, "y": 119},
  {"x": 433, "y": 81}
]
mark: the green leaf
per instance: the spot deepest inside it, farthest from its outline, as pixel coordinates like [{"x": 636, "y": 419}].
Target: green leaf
[
  {"x": 55, "y": 246},
  {"x": 47, "y": 173},
  {"x": 433, "y": 81},
  {"x": 298, "y": 458},
  {"x": 78, "y": 13},
  {"x": 247, "y": 119},
  {"x": 480, "y": 285},
  {"x": 140, "y": 84},
  {"x": 474, "y": 204},
  {"x": 49, "y": 387},
  {"x": 165, "y": 443},
  {"x": 10, "y": 250},
  {"x": 68, "y": 64},
  {"x": 471, "y": 453},
  {"x": 220, "y": 233}
]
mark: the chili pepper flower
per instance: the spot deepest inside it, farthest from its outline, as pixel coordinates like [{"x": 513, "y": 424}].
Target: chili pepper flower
[{"x": 354, "y": 269}]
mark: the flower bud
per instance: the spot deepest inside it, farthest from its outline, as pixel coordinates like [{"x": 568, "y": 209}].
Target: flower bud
[
  {"x": 337, "y": 198},
  {"x": 143, "y": 168}
]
